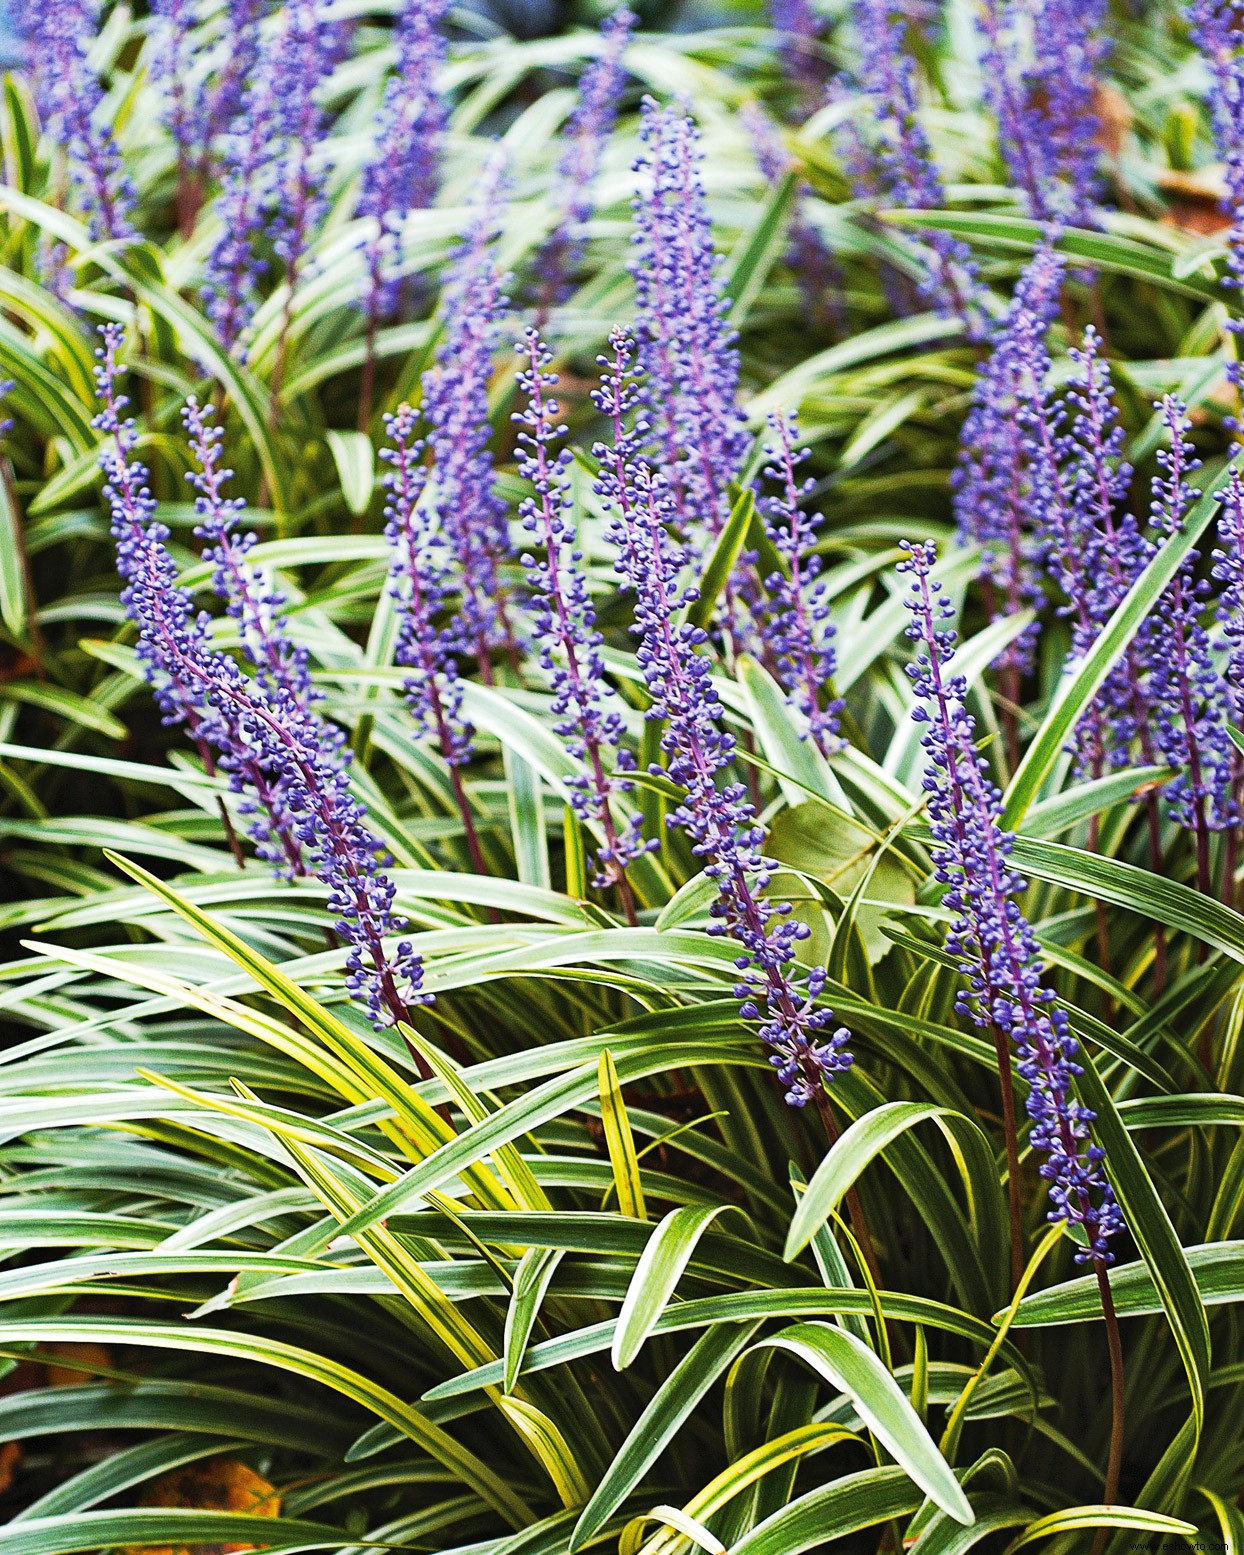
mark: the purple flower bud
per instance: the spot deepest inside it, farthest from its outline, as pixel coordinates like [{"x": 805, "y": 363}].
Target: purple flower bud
[
  {"x": 586, "y": 135},
  {"x": 294, "y": 780},
  {"x": 1189, "y": 696},
  {"x": 250, "y": 596},
  {"x": 686, "y": 348},
  {"x": 473, "y": 516},
  {"x": 993, "y": 480},
  {"x": 1040, "y": 62},
  {"x": 70, "y": 100},
  {"x": 992, "y": 940},
  {"x": 719, "y": 820},
  {"x": 816, "y": 271},
  {"x": 799, "y": 47},
  {"x": 564, "y": 623},
  {"x": 1217, "y": 28},
  {"x": 418, "y": 577},
  {"x": 903, "y": 168},
  {"x": 797, "y": 628},
  {"x": 404, "y": 171}
]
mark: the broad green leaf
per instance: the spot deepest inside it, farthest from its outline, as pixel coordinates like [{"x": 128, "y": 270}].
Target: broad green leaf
[{"x": 355, "y": 459}]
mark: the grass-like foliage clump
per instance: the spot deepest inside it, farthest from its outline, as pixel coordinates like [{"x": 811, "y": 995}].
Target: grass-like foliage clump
[{"x": 622, "y": 777}]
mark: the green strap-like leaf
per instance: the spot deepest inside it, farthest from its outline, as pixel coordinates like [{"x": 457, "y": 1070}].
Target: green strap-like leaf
[
  {"x": 885, "y": 1409},
  {"x": 866, "y": 1138}
]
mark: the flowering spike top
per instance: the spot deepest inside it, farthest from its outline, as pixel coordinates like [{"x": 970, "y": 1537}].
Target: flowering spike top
[
  {"x": 294, "y": 781},
  {"x": 718, "y": 819},
  {"x": 472, "y": 514},
  {"x": 193, "y": 684},
  {"x": 799, "y": 47},
  {"x": 418, "y": 574},
  {"x": 250, "y": 596},
  {"x": 993, "y": 483},
  {"x": 236, "y": 265},
  {"x": 898, "y": 148},
  {"x": 1188, "y": 693},
  {"x": 1217, "y": 28},
  {"x": 586, "y": 135},
  {"x": 686, "y": 346},
  {"x": 1228, "y": 559},
  {"x": 816, "y": 271},
  {"x": 70, "y": 99},
  {"x": 990, "y": 937},
  {"x": 564, "y": 621},
  {"x": 1041, "y": 61},
  {"x": 203, "y": 80},
  {"x": 306, "y": 53},
  {"x": 797, "y": 626},
  {"x": 403, "y": 173}
]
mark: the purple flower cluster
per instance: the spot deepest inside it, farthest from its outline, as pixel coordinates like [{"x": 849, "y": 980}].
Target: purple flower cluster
[
  {"x": 294, "y": 780},
  {"x": 719, "y": 820},
  {"x": 418, "y": 576},
  {"x": 470, "y": 511},
  {"x": 992, "y": 940},
  {"x": 900, "y": 159},
  {"x": 237, "y": 263},
  {"x": 585, "y": 135},
  {"x": 404, "y": 171},
  {"x": 796, "y": 625},
  {"x": 1219, "y": 30},
  {"x": 1041, "y": 59},
  {"x": 564, "y": 623},
  {"x": 815, "y": 269},
  {"x": 70, "y": 100},
  {"x": 1228, "y": 569},
  {"x": 686, "y": 347},
  {"x": 993, "y": 481},
  {"x": 799, "y": 47},
  {"x": 271, "y": 183},
  {"x": 306, "y": 53},
  {"x": 1186, "y": 689},
  {"x": 251, "y": 598},
  {"x": 193, "y": 684}
]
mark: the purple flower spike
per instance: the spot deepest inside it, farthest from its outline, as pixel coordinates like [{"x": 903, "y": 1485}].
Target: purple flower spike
[
  {"x": 235, "y": 265},
  {"x": 70, "y": 101},
  {"x": 905, "y": 171},
  {"x": 564, "y": 622},
  {"x": 815, "y": 269},
  {"x": 305, "y": 55},
  {"x": 192, "y": 683},
  {"x": 1041, "y": 60},
  {"x": 1189, "y": 696},
  {"x": 250, "y": 597},
  {"x": 404, "y": 171},
  {"x": 993, "y": 483},
  {"x": 1228, "y": 560},
  {"x": 294, "y": 781},
  {"x": 455, "y": 405},
  {"x": 719, "y": 820},
  {"x": 1217, "y": 29},
  {"x": 686, "y": 347},
  {"x": 1094, "y": 549},
  {"x": 797, "y": 628},
  {"x": 992, "y": 940},
  {"x": 799, "y": 47},
  {"x": 586, "y": 135},
  {"x": 419, "y": 570}
]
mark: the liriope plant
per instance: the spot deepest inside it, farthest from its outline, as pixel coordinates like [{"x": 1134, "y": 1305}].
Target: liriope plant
[{"x": 568, "y": 990}]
